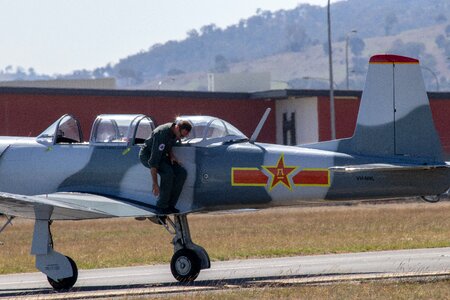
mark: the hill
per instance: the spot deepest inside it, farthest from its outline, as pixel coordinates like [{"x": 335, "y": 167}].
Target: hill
[
  {"x": 309, "y": 68},
  {"x": 291, "y": 32},
  {"x": 291, "y": 44}
]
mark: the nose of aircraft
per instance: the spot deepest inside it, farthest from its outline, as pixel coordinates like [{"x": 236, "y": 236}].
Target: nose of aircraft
[{"x": 5, "y": 142}]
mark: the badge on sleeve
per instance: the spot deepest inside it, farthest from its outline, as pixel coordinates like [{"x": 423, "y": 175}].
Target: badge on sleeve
[{"x": 161, "y": 147}]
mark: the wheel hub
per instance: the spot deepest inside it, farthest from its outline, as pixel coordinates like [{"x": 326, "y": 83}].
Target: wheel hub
[{"x": 183, "y": 265}]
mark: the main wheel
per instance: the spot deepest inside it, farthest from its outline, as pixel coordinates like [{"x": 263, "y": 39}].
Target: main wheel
[
  {"x": 185, "y": 265},
  {"x": 65, "y": 283},
  {"x": 432, "y": 199}
]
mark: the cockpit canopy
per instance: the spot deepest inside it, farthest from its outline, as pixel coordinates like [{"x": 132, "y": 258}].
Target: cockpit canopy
[
  {"x": 120, "y": 129},
  {"x": 131, "y": 129},
  {"x": 65, "y": 130},
  {"x": 207, "y": 130}
]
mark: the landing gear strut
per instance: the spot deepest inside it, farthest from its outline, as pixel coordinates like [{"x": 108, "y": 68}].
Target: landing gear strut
[
  {"x": 189, "y": 258},
  {"x": 61, "y": 270},
  {"x": 8, "y": 221}
]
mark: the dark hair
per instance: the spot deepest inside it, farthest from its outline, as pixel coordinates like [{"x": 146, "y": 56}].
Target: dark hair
[{"x": 183, "y": 124}]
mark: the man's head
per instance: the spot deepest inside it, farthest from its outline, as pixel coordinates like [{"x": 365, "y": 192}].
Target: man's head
[{"x": 184, "y": 127}]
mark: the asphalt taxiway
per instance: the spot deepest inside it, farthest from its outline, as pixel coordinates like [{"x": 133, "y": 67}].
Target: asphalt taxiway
[{"x": 157, "y": 279}]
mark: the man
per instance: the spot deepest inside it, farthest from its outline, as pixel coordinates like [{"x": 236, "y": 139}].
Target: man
[{"x": 156, "y": 154}]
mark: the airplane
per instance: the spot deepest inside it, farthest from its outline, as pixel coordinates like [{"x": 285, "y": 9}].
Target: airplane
[{"x": 394, "y": 152}]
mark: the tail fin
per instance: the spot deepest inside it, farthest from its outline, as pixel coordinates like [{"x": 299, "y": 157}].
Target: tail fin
[{"x": 394, "y": 116}]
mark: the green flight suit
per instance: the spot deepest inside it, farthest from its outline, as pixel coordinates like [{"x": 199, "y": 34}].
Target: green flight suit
[{"x": 155, "y": 154}]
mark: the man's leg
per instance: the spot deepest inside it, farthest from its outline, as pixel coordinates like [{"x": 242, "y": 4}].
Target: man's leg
[
  {"x": 166, "y": 186},
  {"x": 180, "y": 175}
]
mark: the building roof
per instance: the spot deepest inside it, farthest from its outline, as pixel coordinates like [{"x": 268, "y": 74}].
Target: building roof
[{"x": 270, "y": 94}]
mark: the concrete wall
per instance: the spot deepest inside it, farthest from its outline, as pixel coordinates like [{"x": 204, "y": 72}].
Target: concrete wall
[
  {"x": 100, "y": 83},
  {"x": 238, "y": 82}
]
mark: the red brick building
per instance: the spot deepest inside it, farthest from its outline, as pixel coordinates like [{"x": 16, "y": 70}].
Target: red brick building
[{"x": 298, "y": 116}]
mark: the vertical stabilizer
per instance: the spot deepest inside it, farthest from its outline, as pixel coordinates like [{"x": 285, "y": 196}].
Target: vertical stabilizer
[{"x": 394, "y": 117}]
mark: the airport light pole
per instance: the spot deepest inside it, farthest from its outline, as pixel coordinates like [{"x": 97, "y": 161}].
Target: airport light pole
[
  {"x": 434, "y": 75},
  {"x": 330, "y": 63},
  {"x": 347, "y": 37}
]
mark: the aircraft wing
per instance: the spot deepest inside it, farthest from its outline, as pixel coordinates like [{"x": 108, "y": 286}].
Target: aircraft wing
[
  {"x": 385, "y": 168},
  {"x": 70, "y": 206}
]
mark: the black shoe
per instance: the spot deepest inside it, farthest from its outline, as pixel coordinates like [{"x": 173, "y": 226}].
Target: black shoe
[
  {"x": 163, "y": 211},
  {"x": 174, "y": 210}
]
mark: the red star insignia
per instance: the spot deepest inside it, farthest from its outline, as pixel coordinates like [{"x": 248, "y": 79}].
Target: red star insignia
[{"x": 280, "y": 173}]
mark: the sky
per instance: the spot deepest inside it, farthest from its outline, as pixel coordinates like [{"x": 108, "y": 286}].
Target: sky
[{"x": 60, "y": 36}]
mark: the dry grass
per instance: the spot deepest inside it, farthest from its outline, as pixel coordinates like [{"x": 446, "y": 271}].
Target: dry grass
[
  {"x": 368, "y": 290},
  {"x": 268, "y": 233}
]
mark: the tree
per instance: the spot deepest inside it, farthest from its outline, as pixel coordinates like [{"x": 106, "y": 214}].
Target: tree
[
  {"x": 389, "y": 22},
  {"x": 297, "y": 38},
  {"x": 447, "y": 50},
  {"x": 208, "y": 29},
  {"x": 31, "y": 72},
  {"x": 103, "y": 72},
  {"x": 221, "y": 64},
  {"x": 192, "y": 34},
  {"x": 407, "y": 49},
  {"x": 20, "y": 73},
  {"x": 357, "y": 45},
  {"x": 441, "y": 18}
]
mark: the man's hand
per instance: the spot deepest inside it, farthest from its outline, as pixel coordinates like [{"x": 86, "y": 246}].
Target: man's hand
[
  {"x": 155, "y": 189},
  {"x": 173, "y": 158}
]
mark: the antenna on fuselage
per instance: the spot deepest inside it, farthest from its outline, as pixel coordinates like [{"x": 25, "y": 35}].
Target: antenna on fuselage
[{"x": 260, "y": 125}]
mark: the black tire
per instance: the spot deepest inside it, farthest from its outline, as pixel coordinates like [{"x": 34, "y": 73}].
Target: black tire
[
  {"x": 185, "y": 265},
  {"x": 65, "y": 283}
]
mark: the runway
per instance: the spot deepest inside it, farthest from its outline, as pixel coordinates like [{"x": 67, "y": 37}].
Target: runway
[{"x": 157, "y": 279}]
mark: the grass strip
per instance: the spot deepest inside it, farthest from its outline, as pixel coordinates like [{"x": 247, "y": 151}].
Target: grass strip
[{"x": 267, "y": 233}]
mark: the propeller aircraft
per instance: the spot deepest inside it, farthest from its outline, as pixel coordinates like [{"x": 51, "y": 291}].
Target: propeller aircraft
[{"x": 394, "y": 152}]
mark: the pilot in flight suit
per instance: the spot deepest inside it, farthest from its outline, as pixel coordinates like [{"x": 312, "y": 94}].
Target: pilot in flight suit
[{"x": 156, "y": 154}]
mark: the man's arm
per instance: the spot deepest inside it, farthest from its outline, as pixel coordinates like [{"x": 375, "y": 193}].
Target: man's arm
[{"x": 155, "y": 188}]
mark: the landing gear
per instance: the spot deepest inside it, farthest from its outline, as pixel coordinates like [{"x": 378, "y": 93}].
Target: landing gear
[
  {"x": 431, "y": 199},
  {"x": 61, "y": 270},
  {"x": 68, "y": 282},
  {"x": 189, "y": 258},
  {"x": 185, "y": 265},
  {"x": 8, "y": 221}
]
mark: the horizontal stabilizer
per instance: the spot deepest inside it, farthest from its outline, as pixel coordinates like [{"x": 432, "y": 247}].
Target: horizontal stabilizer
[{"x": 385, "y": 168}]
